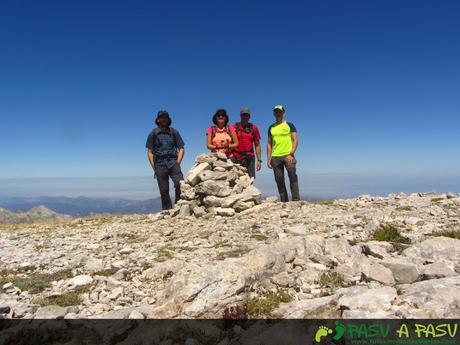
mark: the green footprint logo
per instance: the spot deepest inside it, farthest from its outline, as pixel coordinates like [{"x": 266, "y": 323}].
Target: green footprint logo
[
  {"x": 322, "y": 332},
  {"x": 339, "y": 330}
]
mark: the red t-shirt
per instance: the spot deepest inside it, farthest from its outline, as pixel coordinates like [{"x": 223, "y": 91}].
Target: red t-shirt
[{"x": 245, "y": 140}]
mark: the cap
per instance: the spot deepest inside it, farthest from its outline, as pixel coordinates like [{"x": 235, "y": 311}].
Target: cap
[
  {"x": 245, "y": 111},
  {"x": 279, "y": 107}
]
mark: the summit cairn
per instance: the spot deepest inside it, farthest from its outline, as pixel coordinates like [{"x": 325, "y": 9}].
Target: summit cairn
[{"x": 216, "y": 186}]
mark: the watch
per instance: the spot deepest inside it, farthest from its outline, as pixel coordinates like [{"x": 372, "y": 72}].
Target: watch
[{"x": 259, "y": 160}]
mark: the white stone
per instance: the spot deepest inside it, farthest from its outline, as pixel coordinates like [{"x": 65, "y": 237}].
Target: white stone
[
  {"x": 81, "y": 280},
  {"x": 51, "y": 312},
  {"x": 226, "y": 212},
  {"x": 192, "y": 176},
  {"x": 126, "y": 250}
]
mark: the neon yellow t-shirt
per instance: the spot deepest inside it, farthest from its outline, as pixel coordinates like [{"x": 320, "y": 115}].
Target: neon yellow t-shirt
[{"x": 281, "y": 138}]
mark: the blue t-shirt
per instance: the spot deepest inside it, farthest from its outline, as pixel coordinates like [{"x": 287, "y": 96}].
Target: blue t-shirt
[{"x": 165, "y": 144}]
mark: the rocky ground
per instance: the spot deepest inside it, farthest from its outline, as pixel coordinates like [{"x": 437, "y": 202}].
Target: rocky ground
[{"x": 375, "y": 257}]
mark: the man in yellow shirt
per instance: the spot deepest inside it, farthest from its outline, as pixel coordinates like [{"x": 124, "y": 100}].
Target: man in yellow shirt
[{"x": 281, "y": 146}]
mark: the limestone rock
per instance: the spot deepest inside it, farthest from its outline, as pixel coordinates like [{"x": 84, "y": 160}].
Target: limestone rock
[
  {"x": 379, "y": 273},
  {"x": 81, "y": 280},
  {"x": 226, "y": 212},
  {"x": 195, "y": 266},
  {"x": 438, "y": 270},
  {"x": 211, "y": 187},
  {"x": 404, "y": 272},
  {"x": 51, "y": 312},
  {"x": 192, "y": 177},
  {"x": 372, "y": 300},
  {"x": 435, "y": 248}
]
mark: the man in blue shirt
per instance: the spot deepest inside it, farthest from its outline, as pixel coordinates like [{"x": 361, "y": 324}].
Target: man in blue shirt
[{"x": 165, "y": 151}]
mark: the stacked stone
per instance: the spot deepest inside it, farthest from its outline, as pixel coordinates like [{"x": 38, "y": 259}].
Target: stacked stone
[{"x": 216, "y": 186}]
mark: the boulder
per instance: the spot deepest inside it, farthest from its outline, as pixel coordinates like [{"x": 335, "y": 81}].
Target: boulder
[
  {"x": 226, "y": 212},
  {"x": 438, "y": 270},
  {"x": 81, "y": 280},
  {"x": 404, "y": 272},
  {"x": 192, "y": 176},
  {"x": 370, "y": 300},
  {"x": 435, "y": 248},
  {"x": 51, "y": 312}
]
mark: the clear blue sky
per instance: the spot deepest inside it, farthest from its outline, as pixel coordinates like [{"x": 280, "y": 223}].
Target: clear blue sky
[{"x": 372, "y": 86}]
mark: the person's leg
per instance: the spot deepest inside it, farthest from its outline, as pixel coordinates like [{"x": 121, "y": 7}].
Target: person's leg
[
  {"x": 293, "y": 181},
  {"x": 251, "y": 162},
  {"x": 278, "y": 171},
  {"x": 163, "y": 185},
  {"x": 176, "y": 176}
]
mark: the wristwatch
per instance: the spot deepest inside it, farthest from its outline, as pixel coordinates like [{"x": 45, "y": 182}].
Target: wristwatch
[{"x": 259, "y": 160}]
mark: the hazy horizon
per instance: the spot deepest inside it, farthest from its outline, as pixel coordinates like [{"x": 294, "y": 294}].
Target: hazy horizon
[{"x": 312, "y": 185}]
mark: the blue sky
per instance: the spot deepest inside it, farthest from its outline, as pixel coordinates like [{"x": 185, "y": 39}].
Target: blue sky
[{"x": 372, "y": 86}]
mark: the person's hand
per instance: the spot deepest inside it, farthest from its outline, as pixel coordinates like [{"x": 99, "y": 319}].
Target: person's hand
[
  {"x": 289, "y": 159},
  {"x": 269, "y": 164},
  {"x": 259, "y": 165}
]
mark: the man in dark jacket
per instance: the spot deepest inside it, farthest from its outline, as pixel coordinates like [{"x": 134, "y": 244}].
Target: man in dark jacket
[{"x": 165, "y": 151}]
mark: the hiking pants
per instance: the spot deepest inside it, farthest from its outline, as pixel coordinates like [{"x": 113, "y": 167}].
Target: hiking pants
[
  {"x": 163, "y": 175},
  {"x": 278, "y": 165},
  {"x": 249, "y": 164}
]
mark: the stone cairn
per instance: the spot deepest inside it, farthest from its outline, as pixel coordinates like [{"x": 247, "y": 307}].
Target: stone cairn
[{"x": 216, "y": 186}]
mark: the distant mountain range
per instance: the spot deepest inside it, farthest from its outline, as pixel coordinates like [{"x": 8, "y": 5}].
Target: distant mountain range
[
  {"x": 81, "y": 206},
  {"x": 34, "y": 214}
]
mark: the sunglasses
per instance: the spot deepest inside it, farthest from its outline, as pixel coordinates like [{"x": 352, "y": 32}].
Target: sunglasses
[{"x": 245, "y": 114}]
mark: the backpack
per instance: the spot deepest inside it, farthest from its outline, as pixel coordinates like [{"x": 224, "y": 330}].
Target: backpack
[
  {"x": 172, "y": 133},
  {"x": 214, "y": 130},
  {"x": 250, "y": 126}
]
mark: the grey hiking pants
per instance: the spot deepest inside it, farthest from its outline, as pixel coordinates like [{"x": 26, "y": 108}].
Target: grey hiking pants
[
  {"x": 248, "y": 163},
  {"x": 278, "y": 166},
  {"x": 163, "y": 174}
]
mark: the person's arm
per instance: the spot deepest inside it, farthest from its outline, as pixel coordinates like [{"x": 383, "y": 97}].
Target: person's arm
[
  {"x": 180, "y": 147},
  {"x": 258, "y": 154},
  {"x": 180, "y": 155},
  {"x": 209, "y": 143},
  {"x": 234, "y": 142},
  {"x": 269, "y": 151},
  {"x": 295, "y": 142},
  {"x": 294, "y": 138},
  {"x": 151, "y": 158}
]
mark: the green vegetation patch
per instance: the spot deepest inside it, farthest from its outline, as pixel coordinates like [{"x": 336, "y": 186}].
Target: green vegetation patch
[
  {"x": 234, "y": 253},
  {"x": 448, "y": 233},
  {"x": 36, "y": 283},
  {"x": 389, "y": 233},
  {"x": 164, "y": 254},
  {"x": 107, "y": 272},
  {"x": 331, "y": 279},
  {"x": 66, "y": 300},
  {"x": 404, "y": 208},
  {"x": 259, "y": 237},
  {"x": 264, "y": 306}
]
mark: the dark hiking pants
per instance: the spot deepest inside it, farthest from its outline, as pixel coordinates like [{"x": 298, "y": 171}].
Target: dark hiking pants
[
  {"x": 249, "y": 164},
  {"x": 278, "y": 165},
  {"x": 163, "y": 175}
]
